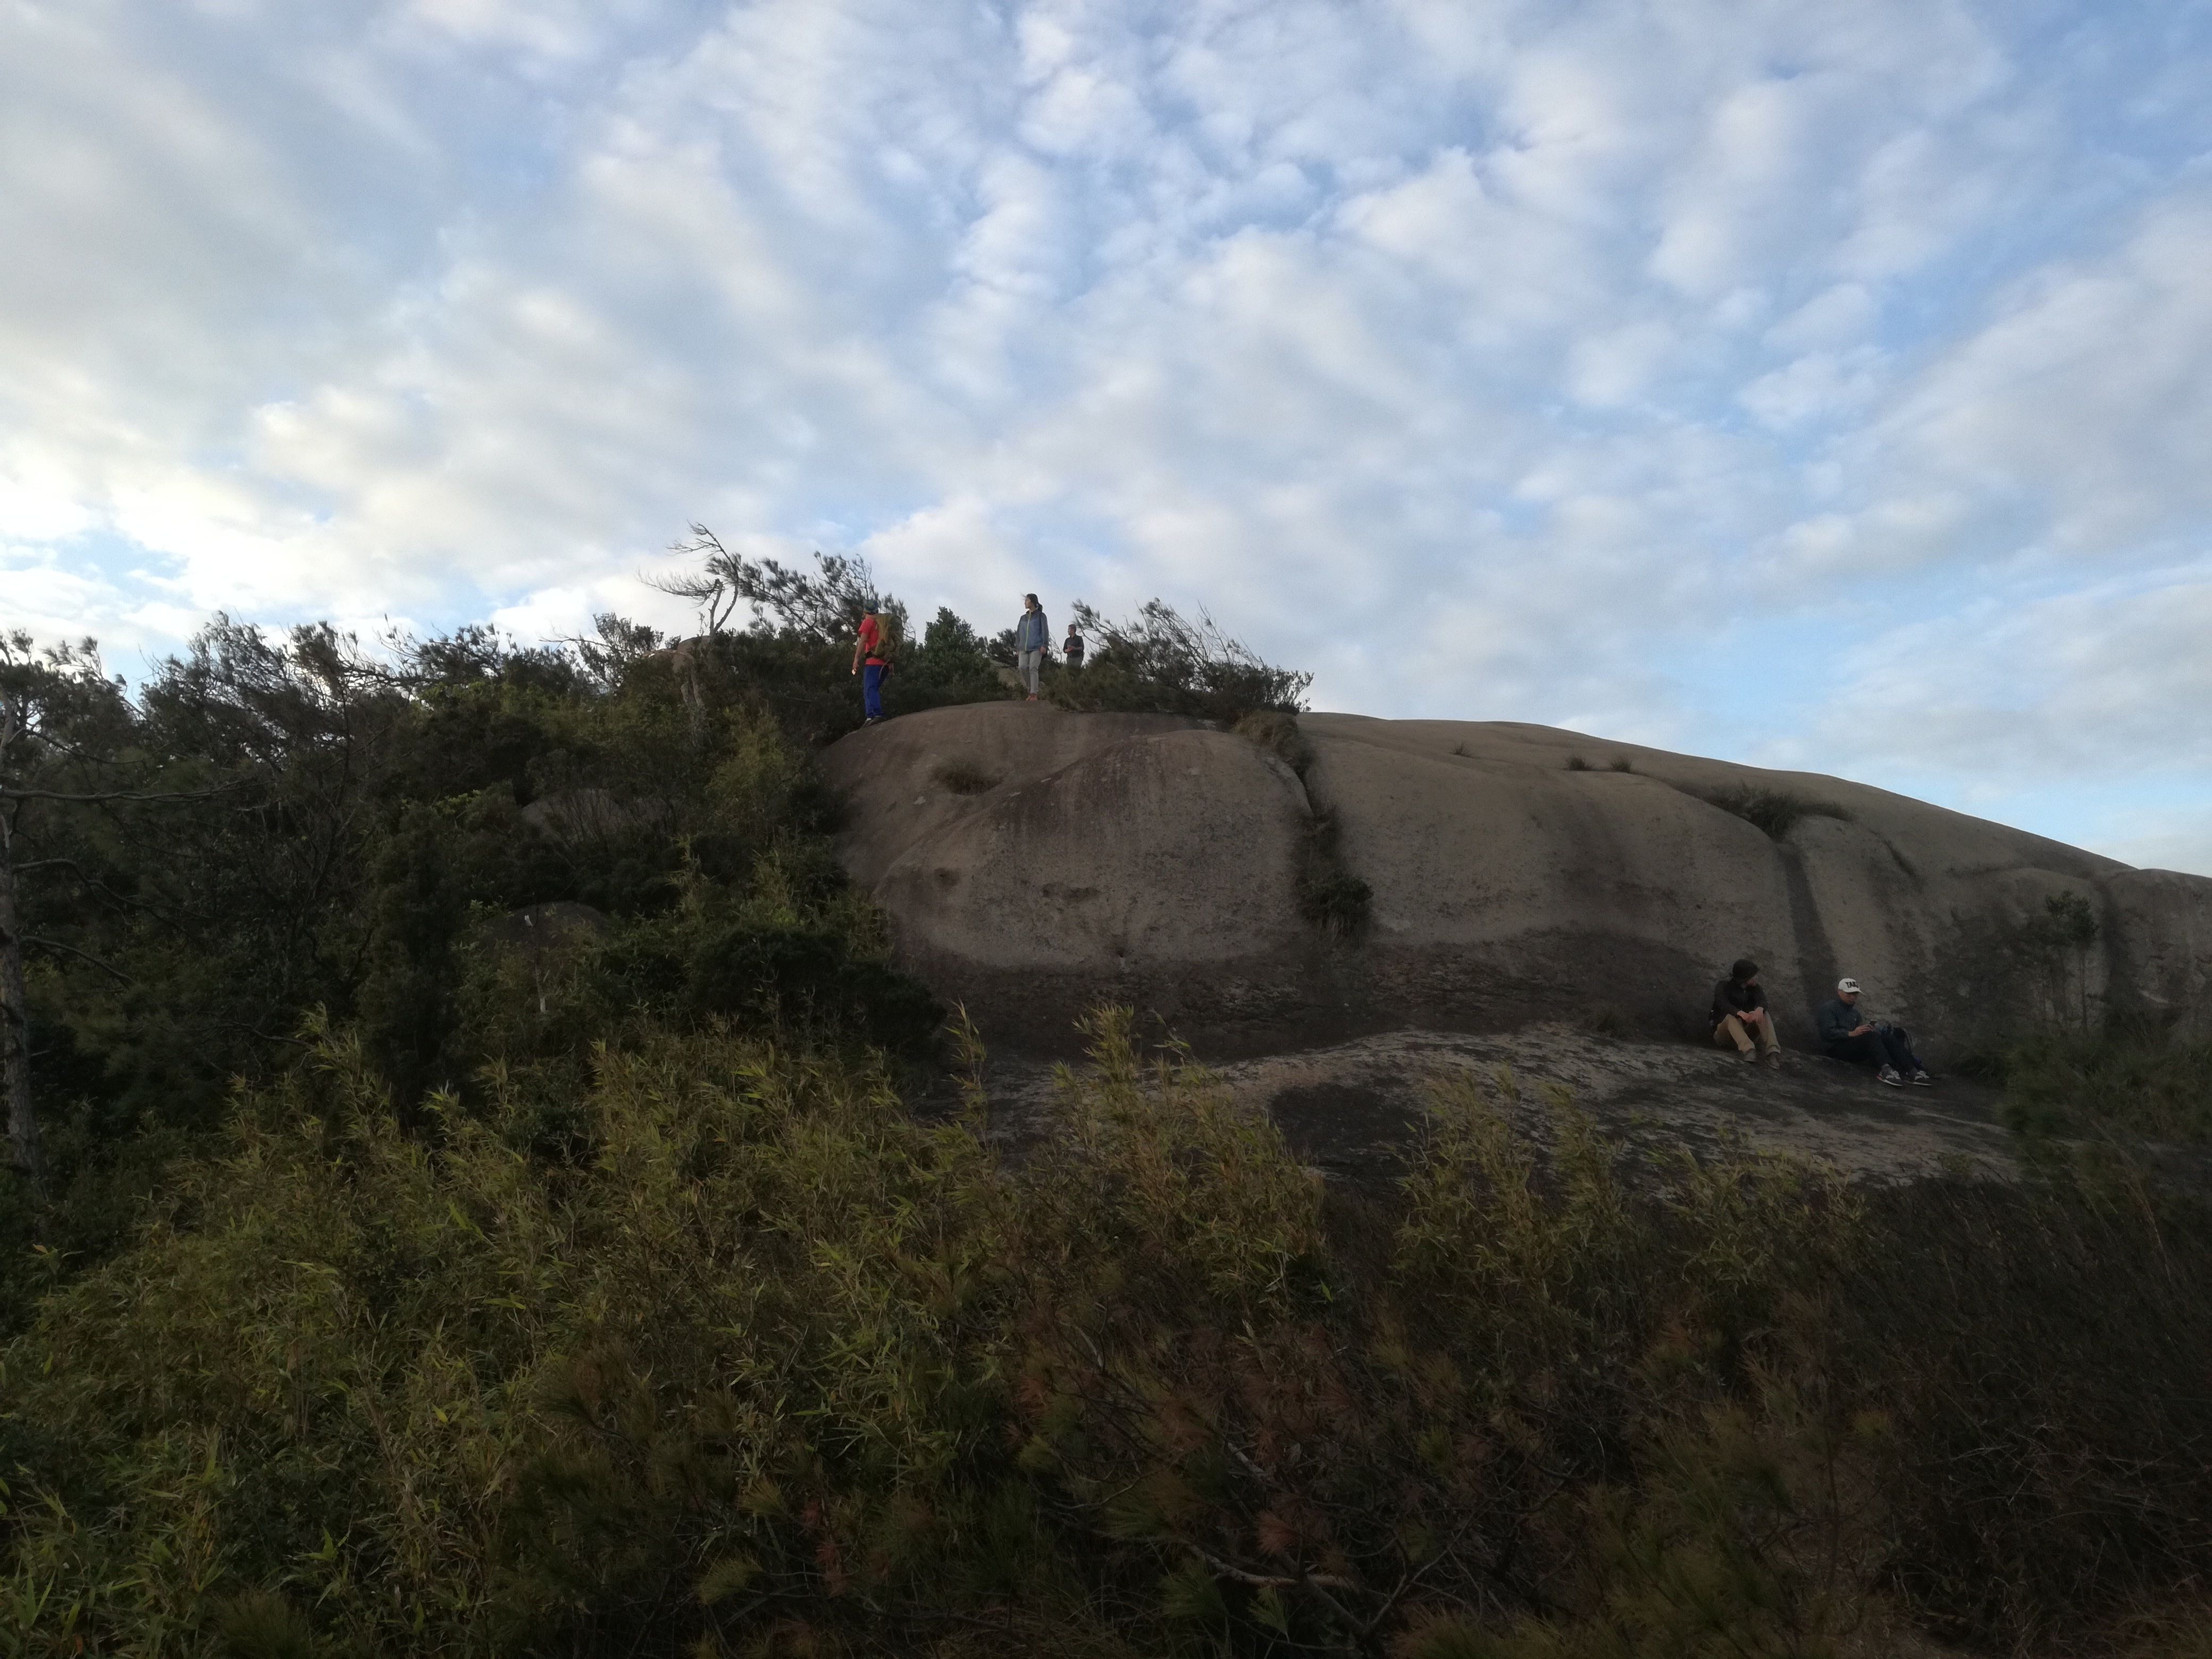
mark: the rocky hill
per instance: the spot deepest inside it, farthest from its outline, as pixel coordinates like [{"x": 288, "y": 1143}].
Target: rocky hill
[{"x": 1034, "y": 862}]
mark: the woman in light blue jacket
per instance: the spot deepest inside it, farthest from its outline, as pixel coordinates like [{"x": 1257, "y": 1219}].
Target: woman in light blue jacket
[{"x": 1032, "y": 639}]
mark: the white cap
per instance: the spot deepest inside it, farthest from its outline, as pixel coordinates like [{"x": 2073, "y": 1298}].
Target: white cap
[{"x": 1847, "y": 987}]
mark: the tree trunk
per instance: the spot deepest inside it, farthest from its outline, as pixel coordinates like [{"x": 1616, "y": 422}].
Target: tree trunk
[
  {"x": 14, "y": 998},
  {"x": 15, "y": 1027}
]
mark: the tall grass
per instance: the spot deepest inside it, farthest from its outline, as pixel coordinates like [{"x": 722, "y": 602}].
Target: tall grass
[{"x": 753, "y": 1361}]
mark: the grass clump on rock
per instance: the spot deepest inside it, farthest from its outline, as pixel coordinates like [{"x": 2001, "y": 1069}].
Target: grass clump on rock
[
  {"x": 962, "y": 779},
  {"x": 1330, "y": 897},
  {"x": 1774, "y": 813},
  {"x": 1276, "y": 731},
  {"x": 775, "y": 1367}
]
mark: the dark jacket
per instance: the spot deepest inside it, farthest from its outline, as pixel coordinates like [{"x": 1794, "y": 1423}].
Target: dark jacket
[
  {"x": 1731, "y": 998},
  {"x": 1837, "y": 1019}
]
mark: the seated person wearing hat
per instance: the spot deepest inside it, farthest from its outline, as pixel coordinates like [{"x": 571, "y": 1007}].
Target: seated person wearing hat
[{"x": 1846, "y": 1035}]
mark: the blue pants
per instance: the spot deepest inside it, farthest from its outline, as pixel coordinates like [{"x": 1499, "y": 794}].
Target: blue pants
[{"x": 872, "y": 689}]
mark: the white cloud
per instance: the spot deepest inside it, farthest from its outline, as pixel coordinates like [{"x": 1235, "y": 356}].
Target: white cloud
[
  {"x": 2086, "y": 685},
  {"x": 1514, "y": 359}
]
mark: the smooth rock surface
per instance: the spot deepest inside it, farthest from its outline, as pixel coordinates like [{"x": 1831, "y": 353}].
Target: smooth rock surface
[{"x": 1034, "y": 862}]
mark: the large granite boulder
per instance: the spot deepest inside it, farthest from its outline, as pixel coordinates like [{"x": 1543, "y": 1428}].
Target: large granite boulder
[{"x": 1034, "y": 862}]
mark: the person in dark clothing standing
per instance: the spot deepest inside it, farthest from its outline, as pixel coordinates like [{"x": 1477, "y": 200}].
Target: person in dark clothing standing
[
  {"x": 1071, "y": 647},
  {"x": 1845, "y": 1034},
  {"x": 1740, "y": 1016}
]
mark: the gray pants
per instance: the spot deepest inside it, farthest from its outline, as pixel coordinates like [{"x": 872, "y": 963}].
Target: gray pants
[{"x": 1032, "y": 665}]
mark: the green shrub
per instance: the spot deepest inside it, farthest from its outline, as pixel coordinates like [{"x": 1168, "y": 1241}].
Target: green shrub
[
  {"x": 964, "y": 780},
  {"x": 1329, "y": 896},
  {"x": 775, "y": 1367},
  {"x": 2130, "y": 1077},
  {"x": 1277, "y": 731},
  {"x": 1160, "y": 661},
  {"x": 1772, "y": 811}
]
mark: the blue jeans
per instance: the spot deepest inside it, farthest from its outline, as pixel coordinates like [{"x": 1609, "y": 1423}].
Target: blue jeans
[{"x": 872, "y": 689}]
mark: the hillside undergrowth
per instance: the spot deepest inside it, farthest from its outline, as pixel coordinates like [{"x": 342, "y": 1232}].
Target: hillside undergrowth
[{"x": 752, "y": 1360}]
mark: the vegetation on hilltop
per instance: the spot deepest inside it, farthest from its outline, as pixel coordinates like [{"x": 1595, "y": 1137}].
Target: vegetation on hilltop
[
  {"x": 281, "y": 824},
  {"x": 1161, "y": 662},
  {"x": 484, "y": 1216}
]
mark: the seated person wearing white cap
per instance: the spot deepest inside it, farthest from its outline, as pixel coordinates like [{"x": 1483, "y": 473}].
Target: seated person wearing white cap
[{"x": 1846, "y": 1035}]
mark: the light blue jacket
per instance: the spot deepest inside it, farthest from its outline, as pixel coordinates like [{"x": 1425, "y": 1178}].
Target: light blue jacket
[{"x": 1033, "y": 632}]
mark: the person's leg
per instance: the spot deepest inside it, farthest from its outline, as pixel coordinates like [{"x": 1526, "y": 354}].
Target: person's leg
[
  {"x": 1029, "y": 660},
  {"x": 1897, "y": 1043},
  {"x": 1767, "y": 1040},
  {"x": 872, "y": 689},
  {"x": 1730, "y": 1033},
  {"x": 1858, "y": 1051}
]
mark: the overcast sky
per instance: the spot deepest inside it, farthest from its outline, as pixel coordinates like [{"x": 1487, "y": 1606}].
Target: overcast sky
[{"x": 1817, "y": 384}]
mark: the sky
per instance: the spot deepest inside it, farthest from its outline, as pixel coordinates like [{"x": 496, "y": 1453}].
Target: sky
[{"x": 1816, "y": 385}]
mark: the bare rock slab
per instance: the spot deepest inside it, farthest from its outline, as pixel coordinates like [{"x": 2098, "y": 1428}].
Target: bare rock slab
[{"x": 1035, "y": 863}]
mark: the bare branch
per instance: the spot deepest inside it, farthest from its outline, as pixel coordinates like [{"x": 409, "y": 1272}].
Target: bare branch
[
  {"x": 81, "y": 955},
  {"x": 9, "y": 791}
]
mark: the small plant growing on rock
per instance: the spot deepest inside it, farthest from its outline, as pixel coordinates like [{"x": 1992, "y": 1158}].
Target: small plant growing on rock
[
  {"x": 1622, "y": 763},
  {"x": 962, "y": 779},
  {"x": 1576, "y": 763},
  {"x": 1278, "y": 733},
  {"x": 1774, "y": 811},
  {"x": 1329, "y": 896}
]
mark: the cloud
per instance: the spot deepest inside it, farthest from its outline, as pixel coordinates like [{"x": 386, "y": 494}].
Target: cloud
[
  {"x": 1517, "y": 360},
  {"x": 2085, "y": 684}
]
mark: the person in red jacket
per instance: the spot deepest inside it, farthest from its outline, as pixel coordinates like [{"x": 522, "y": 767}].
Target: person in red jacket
[{"x": 871, "y": 659}]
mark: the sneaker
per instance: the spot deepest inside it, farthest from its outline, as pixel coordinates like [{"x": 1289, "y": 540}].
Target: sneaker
[
  {"x": 1921, "y": 1080},
  {"x": 1888, "y": 1075}
]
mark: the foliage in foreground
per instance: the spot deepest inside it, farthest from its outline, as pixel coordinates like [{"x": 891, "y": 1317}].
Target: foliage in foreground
[{"x": 750, "y": 1360}]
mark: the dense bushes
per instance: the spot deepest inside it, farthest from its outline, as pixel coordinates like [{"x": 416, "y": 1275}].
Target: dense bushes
[
  {"x": 2087, "y": 1064},
  {"x": 1159, "y": 661},
  {"x": 416, "y": 1282},
  {"x": 755, "y": 1361},
  {"x": 2126, "y": 1077}
]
